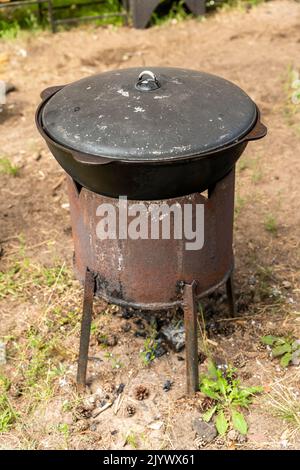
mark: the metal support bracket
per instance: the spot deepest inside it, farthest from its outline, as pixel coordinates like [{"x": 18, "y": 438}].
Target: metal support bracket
[
  {"x": 191, "y": 337},
  {"x": 87, "y": 312},
  {"x": 231, "y": 296}
]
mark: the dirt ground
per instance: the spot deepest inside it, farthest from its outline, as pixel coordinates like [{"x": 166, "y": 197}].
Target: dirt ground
[{"x": 256, "y": 49}]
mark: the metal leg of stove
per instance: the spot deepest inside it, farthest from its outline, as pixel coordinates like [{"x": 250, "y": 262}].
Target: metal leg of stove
[
  {"x": 87, "y": 311},
  {"x": 230, "y": 296},
  {"x": 191, "y": 338}
]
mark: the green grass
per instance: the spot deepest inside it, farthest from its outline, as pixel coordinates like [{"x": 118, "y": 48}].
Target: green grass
[
  {"x": 13, "y": 21},
  {"x": 240, "y": 204},
  {"x": 131, "y": 440},
  {"x": 253, "y": 164},
  {"x": 257, "y": 176},
  {"x": 242, "y": 165},
  {"x": 266, "y": 285},
  {"x": 114, "y": 360},
  {"x": 6, "y": 167},
  {"x": 237, "y": 4},
  {"x": 149, "y": 349},
  {"x": 8, "y": 415},
  {"x": 292, "y": 100},
  {"x": 284, "y": 403},
  {"x": 64, "y": 430},
  {"x": 229, "y": 398},
  {"x": 39, "y": 353},
  {"x": 169, "y": 11},
  {"x": 22, "y": 278},
  {"x": 286, "y": 348},
  {"x": 39, "y": 362},
  {"x": 270, "y": 224}
]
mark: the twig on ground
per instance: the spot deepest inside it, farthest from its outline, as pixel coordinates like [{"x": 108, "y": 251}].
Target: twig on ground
[{"x": 98, "y": 411}]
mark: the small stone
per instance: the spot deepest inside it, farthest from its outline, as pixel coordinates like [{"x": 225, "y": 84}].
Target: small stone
[
  {"x": 167, "y": 385},
  {"x": 252, "y": 280},
  {"x": 206, "y": 431},
  {"x": 174, "y": 336},
  {"x": 2, "y": 353},
  {"x": 120, "y": 388},
  {"x": 148, "y": 356},
  {"x": 296, "y": 357},
  {"x": 37, "y": 156},
  {"x": 160, "y": 351},
  {"x": 9, "y": 87},
  {"x": 89, "y": 404},
  {"x": 126, "y": 313},
  {"x": 93, "y": 427},
  {"x": 126, "y": 327},
  {"x": 140, "y": 334},
  {"x": 284, "y": 443},
  {"x": 156, "y": 425},
  {"x": 286, "y": 284}
]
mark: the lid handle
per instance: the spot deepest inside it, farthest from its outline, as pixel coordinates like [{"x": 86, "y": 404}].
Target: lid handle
[{"x": 147, "y": 81}]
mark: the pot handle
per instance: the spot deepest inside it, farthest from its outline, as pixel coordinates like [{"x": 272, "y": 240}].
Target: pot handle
[
  {"x": 87, "y": 159},
  {"x": 258, "y": 132},
  {"x": 48, "y": 92}
]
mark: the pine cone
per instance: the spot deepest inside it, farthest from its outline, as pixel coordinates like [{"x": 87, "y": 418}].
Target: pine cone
[
  {"x": 246, "y": 375},
  {"x": 199, "y": 443},
  {"x": 16, "y": 389},
  {"x": 141, "y": 392},
  {"x": 130, "y": 410},
  {"x": 260, "y": 347},
  {"x": 239, "y": 361},
  {"x": 206, "y": 404}
]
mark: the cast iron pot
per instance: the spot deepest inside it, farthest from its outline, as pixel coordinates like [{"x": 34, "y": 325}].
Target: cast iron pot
[{"x": 163, "y": 133}]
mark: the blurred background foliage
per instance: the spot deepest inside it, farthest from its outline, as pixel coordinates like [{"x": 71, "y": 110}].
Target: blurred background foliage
[{"x": 14, "y": 20}]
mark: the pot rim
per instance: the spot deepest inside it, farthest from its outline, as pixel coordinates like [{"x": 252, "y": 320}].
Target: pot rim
[{"x": 257, "y": 131}]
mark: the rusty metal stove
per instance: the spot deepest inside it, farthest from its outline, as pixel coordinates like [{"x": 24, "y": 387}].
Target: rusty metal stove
[
  {"x": 153, "y": 274},
  {"x": 163, "y": 135}
]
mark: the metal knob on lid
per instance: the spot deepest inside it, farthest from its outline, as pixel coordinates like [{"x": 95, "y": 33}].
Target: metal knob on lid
[{"x": 147, "y": 81}]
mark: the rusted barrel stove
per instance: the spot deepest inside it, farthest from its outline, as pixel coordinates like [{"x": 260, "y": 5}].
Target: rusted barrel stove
[{"x": 150, "y": 157}]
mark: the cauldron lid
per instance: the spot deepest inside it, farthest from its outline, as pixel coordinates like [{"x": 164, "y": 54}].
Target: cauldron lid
[{"x": 156, "y": 114}]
